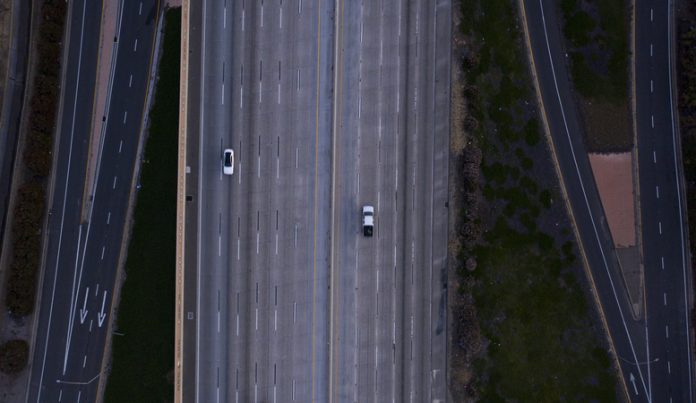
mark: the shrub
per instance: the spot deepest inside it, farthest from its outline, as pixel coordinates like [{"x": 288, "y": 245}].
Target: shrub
[{"x": 13, "y": 356}]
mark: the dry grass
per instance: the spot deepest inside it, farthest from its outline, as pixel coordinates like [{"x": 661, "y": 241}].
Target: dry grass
[{"x": 607, "y": 126}]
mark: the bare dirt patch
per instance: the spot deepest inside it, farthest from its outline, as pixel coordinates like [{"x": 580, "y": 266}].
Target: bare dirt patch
[{"x": 614, "y": 177}]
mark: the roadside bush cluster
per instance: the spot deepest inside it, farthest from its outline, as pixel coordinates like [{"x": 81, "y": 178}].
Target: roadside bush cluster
[
  {"x": 13, "y": 356},
  {"x": 31, "y": 197},
  {"x": 687, "y": 113}
]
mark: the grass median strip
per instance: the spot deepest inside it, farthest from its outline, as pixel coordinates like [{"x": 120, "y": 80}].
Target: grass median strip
[
  {"x": 143, "y": 349},
  {"x": 522, "y": 322}
]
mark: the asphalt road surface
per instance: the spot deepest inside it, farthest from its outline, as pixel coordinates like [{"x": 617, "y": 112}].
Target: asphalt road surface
[
  {"x": 657, "y": 370},
  {"x": 391, "y": 150},
  {"x": 275, "y": 320},
  {"x": 82, "y": 256},
  {"x": 262, "y": 314},
  {"x": 665, "y": 248}
]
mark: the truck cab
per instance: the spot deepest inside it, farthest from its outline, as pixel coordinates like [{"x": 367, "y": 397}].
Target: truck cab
[{"x": 368, "y": 220}]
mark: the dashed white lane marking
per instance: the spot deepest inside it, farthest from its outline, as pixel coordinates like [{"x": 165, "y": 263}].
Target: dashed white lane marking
[
  {"x": 114, "y": 185},
  {"x": 651, "y": 15},
  {"x": 261, "y": 15},
  {"x": 657, "y": 191},
  {"x": 219, "y": 245},
  {"x": 276, "y": 243},
  {"x": 224, "y": 18},
  {"x": 60, "y": 395},
  {"x": 237, "y": 324},
  {"x": 242, "y": 20},
  {"x": 257, "y": 319},
  {"x": 135, "y": 46},
  {"x": 667, "y": 331},
  {"x": 299, "y": 10},
  {"x": 278, "y": 93},
  {"x": 84, "y": 361},
  {"x": 280, "y": 23},
  {"x": 257, "y": 242},
  {"x": 659, "y": 227},
  {"x": 651, "y": 50},
  {"x": 140, "y": 8},
  {"x": 130, "y": 81},
  {"x": 275, "y": 320},
  {"x": 669, "y": 371},
  {"x": 654, "y": 158},
  {"x": 241, "y": 97},
  {"x": 222, "y": 94},
  {"x": 664, "y": 298},
  {"x": 237, "y": 248},
  {"x": 652, "y": 121},
  {"x": 108, "y": 218},
  {"x": 662, "y": 262},
  {"x": 125, "y": 117},
  {"x": 120, "y": 146},
  {"x": 651, "y": 86},
  {"x": 260, "y": 91},
  {"x": 218, "y": 321},
  {"x": 103, "y": 250}
]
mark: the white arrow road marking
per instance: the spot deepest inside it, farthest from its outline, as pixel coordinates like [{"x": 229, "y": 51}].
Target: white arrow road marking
[
  {"x": 633, "y": 381},
  {"x": 83, "y": 311},
  {"x": 101, "y": 316}
]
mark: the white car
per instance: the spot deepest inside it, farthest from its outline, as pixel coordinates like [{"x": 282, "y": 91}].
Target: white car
[
  {"x": 368, "y": 219},
  {"x": 228, "y": 162}
]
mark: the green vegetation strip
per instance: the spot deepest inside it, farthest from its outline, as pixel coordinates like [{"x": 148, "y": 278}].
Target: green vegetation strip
[
  {"x": 143, "y": 348},
  {"x": 597, "y": 31},
  {"x": 539, "y": 341}
]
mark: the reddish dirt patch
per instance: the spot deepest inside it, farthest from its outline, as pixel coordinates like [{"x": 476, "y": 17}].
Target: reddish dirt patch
[{"x": 613, "y": 174}]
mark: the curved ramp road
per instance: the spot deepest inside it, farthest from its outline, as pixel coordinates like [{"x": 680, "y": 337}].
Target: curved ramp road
[
  {"x": 328, "y": 105},
  {"x": 654, "y": 351},
  {"x": 82, "y": 257}
]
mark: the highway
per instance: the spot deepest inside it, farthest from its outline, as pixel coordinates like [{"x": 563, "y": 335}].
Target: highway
[
  {"x": 391, "y": 151},
  {"x": 665, "y": 251},
  {"x": 262, "y": 314},
  {"x": 82, "y": 255},
  {"x": 273, "y": 252},
  {"x": 652, "y": 350}
]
